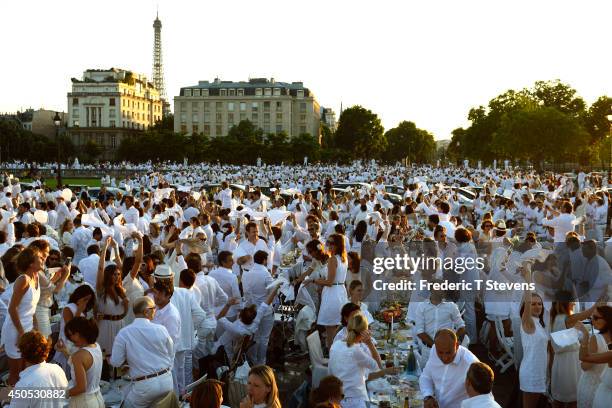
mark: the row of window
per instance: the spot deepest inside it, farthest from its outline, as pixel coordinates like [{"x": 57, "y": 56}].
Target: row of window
[
  {"x": 195, "y": 117},
  {"x": 113, "y": 124},
  {"x": 231, "y": 106},
  {"x": 124, "y": 103},
  {"x": 240, "y": 92},
  {"x": 206, "y": 129}
]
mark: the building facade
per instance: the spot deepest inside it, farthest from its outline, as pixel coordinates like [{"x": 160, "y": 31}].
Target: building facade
[
  {"x": 38, "y": 121},
  {"x": 109, "y": 105},
  {"x": 328, "y": 117},
  {"x": 212, "y": 108}
]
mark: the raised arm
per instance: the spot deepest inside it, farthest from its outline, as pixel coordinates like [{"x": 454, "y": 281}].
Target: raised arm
[
  {"x": 100, "y": 275},
  {"x": 526, "y": 318},
  {"x": 139, "y": 256}
]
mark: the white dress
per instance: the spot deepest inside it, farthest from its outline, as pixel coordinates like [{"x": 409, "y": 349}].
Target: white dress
[
  {"x": 333, "y": 297},
  {"x": 108, "y": 328},
  {"x": 603, "y": 395},
  {"x": 25, "y": 310},
  {"x": 566, "y": 367},
  {"x": 590, "y": 379},
  {"x": 92, "y": 397},
  {"x": 532, "y": 374}
]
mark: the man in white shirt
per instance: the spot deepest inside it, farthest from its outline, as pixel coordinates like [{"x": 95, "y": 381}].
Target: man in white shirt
[
  {"x": 442, "y": 380},
  {"x": 89, "y": 266},
  {"x": 211, "y": 294},
  {"x": 478, "y": 385},
  {"x": 433, "y": 315},
  {"x": 227, "y": 280},
  {"x": 131, "y": 214},
  {"x": 254, "y": 284},
  {"x": 225, "y": 195},
  {"x": 63, "y": 212},
  {"x": 561, "y": 223},
  {"x": 80, "y": 239},
  {"x": 192, "y": 316},
  {"x": 247, "y": 248},
  {"x": 149, "y": 352},
  {"x": 167, "y": 315}
]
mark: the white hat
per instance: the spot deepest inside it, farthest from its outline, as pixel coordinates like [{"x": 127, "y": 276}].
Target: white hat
[{"x": 163, "y": 271}]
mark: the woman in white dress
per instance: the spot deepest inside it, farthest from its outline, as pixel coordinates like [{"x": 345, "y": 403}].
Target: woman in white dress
[
  {"x": 334, "y": 295},
  {"x": 85, "y": 364},
  {"x": 81, "y": 301},
  {"x": 566, "y": 365},
  {"x": 21, "y": 309},
  {"x": 49, "y": 285},
  {"x": 598, "y": 343},
  {"x": 603, "y": 394},
  {"x": 112, "y": 301},
  {"x": 532, "y": 373}
]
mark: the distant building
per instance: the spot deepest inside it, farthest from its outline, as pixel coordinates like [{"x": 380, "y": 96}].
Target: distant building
[
  {"x": 36, "y": 121},
  {"x": 328, "y": 116},
  {"x": 214, "y": 107},
  {"x": 109, "y": 105}
]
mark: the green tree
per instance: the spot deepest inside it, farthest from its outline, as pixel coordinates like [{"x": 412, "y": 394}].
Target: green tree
[
  {"x": 540, "y": 134},
  {"x": 327, "y": 136},
  {"x": 406, "y": 141},
  {"x": 305, "y": 145},
  {"x": 360, "y": 132},
  {"x": 91, "y": 150}
]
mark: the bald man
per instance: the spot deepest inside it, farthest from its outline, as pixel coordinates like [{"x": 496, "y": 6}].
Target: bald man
[{"x": 448, "y": 364}]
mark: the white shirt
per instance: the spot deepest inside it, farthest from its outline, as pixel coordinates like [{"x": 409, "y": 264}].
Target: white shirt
[
  {"x": 41, "y": 375},
  {"x": 131, "y": 216},
  {"x": 247, "y": 248},
  {"x": 480, "y": 401},
  {"x": 80, "y": 238},
  {"x": 229, "y": 283},
  {"x": 169, "y": 317},
  {"x": 190, "y": 314},
  {"x": 236, "y": 330},
  {"x": 226, "y": 198},
  {"x": 211, "y": 293},
  {"x": 146, "y": 346},
  {"x": 562, "y": 224},
  {"x": 351, "y": 365},
  {"x": 430, "y": 318},
  {"x": 89, "y": 269},
  {"x": 254, "y": 283},
  {"x": 446, "y": 382}
]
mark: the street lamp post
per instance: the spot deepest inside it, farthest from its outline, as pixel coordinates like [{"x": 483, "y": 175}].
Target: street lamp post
[{"x": 58, "y": 121}]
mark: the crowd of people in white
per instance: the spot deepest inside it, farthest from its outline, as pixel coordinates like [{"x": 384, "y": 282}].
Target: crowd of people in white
[{"x": 168, "y": 273}]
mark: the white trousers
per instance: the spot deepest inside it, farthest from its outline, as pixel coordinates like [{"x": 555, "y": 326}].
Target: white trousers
[
  {"x": 262, "y": 336},
  {"x": 178, "y": 372},
  {"x": 145, "y": 393},
  {"x": 469, "y": 317},
  {"x": 188, "y": 367}
]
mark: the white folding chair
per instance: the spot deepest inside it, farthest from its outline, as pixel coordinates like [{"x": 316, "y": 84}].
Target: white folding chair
[
  {"x": 506, "y": 360},
  {"x": 318, "y": 363}
]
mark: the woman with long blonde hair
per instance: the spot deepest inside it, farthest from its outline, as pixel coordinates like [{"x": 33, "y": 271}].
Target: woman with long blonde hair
[
  {"x": 351, "y": 362},
  {"x": 262, "y": 391}
]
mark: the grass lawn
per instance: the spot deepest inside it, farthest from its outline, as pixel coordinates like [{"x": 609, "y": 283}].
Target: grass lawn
[{"x": 51, "y": 182}]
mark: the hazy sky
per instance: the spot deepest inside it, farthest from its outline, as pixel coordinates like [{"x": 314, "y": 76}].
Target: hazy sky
[{"x": 424, "y": 61}]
